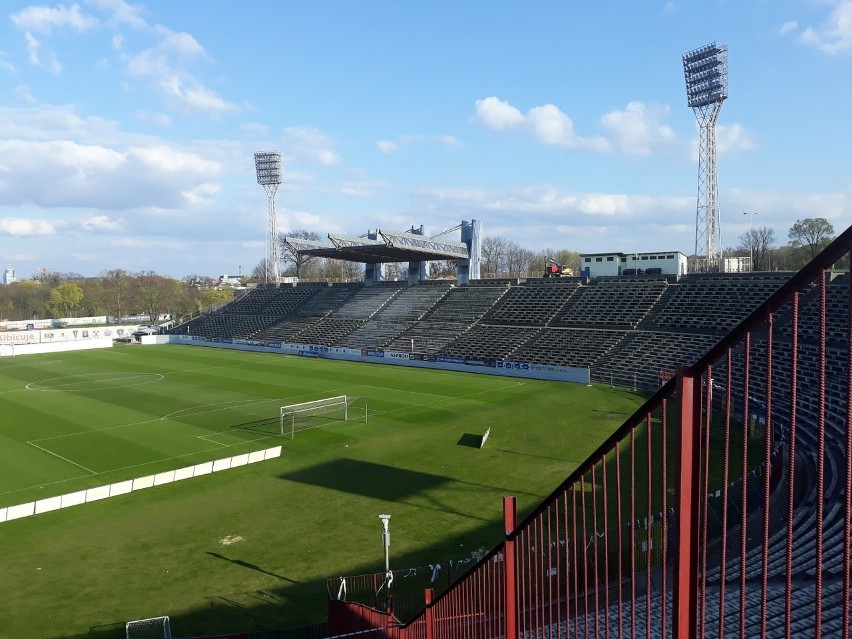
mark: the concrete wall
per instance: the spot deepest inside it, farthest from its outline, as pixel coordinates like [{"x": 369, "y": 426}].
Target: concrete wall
[{"x": 89, "y": 495}]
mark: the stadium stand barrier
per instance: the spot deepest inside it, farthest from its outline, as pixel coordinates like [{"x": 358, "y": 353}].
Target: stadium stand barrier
[
  {"x": 90, "y": 495},
  {"x": 722, "y": 507}
]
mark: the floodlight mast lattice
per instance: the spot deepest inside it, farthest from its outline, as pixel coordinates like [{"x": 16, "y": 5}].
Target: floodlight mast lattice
[
  {"x": 268, "y": 167},
  {"x": 706, "y": 73}
]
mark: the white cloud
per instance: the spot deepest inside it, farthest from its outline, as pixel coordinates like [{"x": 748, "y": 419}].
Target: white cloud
[
  {"x": 193, "y": 96},
  {"x": 497, "y": 114},
  {"x": 22, "y": 227},
  {"x": 6, "y": 65},
  {"x": 121, "y": 12},
  {"x": 180, "y": 43},
  {"x": 389, "y": 146},
  {"x": 787, "y": 27},
  {"x": 101, "y": 223},
  {"x": 639, "y": 129},
  {"x": 733, "y": 137},
  {"x": 117, "y": 42},
  {"x": 64, "y": 174},
  {"x": 363, "y": 188},
  {"x": 44, "y": 19},
  {"x": 547, "y": 123},
  {"x": 24, "y": 95},
  {"x": 160, "y": 119},
  {"x": 309, "y": 143},
  {"x": 164, "y": 64},
  {"x": 34, "y": 58},
  {"x": 386, "y": 146},
  {"x": 835, "y": 33}
]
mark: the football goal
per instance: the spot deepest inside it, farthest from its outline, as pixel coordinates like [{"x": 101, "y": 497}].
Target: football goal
[
  {"x": 313, "y": 414},
  {"x": 154, "y": 628},
  {"x": 7, "y": 350}
]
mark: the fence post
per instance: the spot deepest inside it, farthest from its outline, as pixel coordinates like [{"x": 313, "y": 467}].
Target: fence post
[
  {"x": 430, "y": 614},
  {"x": 510, "y": 565},
  {"x": 685, "y": 586}
]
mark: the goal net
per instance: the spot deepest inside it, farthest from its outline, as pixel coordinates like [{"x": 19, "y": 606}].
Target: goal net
[
  {"x": 306, "y": 415},
  {"x": 154, "y": 628}
]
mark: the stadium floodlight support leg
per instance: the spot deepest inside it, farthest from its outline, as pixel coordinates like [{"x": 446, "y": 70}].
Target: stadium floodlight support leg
[
  {"x": 510, "y": 566},
  {"x": 685, "y": 594}
]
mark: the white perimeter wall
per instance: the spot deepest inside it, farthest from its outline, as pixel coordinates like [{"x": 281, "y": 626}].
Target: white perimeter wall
[
  {"x": 131, "y": 485},
  {"x": 57, "y": 347}
]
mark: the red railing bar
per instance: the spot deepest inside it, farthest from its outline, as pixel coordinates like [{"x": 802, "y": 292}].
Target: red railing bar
[
  {"x": 649, "y": 501},
  {"x": 725, "y": 482},
  {"x": 510, "y": 601},
  {"x": 632, "y": 533},
  {"x": 685, "y": 594},
  {"x": 704, "y": 459},
  {"x": 791, "y": 464},
  {"x": 664, "y": 424},
  {"x": 821, "y": 359},
  {"x": 744, "y": 510},
  {"x": 595, "y": 550},
  {"x": 847, "y": 523},
  {"x": 585, "y": 556},
  {"x": 767, "y": 477},
  {"x": 606, "y": 546},
  {"x": 620, "y": 535}
]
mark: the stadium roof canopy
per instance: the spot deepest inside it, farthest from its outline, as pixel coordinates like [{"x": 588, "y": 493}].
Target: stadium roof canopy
[{"x": 391, "y": 246}]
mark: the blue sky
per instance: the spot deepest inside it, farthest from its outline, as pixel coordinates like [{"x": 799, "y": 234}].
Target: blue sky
[{"x": 127, "y": 128}]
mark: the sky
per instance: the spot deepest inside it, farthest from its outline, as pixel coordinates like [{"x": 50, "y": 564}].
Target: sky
[{"x": 127, "y": 129}]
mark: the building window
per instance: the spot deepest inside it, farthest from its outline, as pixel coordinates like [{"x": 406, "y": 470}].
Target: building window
[
  {"x": 609, "y": 259},
  {"x": 669, "y": 257},
  {"x": 653, "y": 257},
  {"x": 588, "y": 259},
  {"x": 598, "y": 259},
  {"x": 624, "y": 259},
  {"x": 644, "y": 257}
]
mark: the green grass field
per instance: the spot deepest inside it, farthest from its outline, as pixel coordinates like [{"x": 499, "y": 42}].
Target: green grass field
[{"x": 251, "y": 548}]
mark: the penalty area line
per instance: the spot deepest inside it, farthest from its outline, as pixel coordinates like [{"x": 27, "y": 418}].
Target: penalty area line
[{"x": 65, "y": 459}]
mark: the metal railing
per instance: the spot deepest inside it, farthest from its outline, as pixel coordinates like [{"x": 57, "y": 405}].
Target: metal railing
[{"x": 721, "y": 508}]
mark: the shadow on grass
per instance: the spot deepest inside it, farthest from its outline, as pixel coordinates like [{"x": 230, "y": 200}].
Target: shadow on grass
[
  {"x": 245, "y": 564},
  {"x": 367, "y": 479},
  {"x": 470, "y": 440}
]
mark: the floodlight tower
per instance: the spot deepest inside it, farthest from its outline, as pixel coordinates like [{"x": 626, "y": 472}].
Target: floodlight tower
[
  {"x": 706, "y": 73},
  {"x": 268, "y": 167}
]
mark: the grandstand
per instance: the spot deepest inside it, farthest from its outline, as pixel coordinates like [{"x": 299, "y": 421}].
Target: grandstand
[
  {"x": 760, "y": 360},
  {"x": 625, "y": 330}
]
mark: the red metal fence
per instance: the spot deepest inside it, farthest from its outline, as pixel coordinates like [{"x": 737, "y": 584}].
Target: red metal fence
[{"x": 720, "y": 509}]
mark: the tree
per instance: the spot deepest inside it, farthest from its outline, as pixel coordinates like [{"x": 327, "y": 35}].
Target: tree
[
  {"x": 758, "y": 243},
  {"x": 64, "y": 299},
  {"x": 811, "y": 234},
  {"x": 157, "y": 294},
  {"x": 443, "y": 269},
  {"x": 213, "y": 298},
  {"x": 493, "y": 254},
  {"x": 298, "y": 260}
]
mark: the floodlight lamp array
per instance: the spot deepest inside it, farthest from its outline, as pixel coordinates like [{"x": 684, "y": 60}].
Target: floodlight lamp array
[
  {"x": 706, "y": 73},
  {"x": 268, "y": 167}
]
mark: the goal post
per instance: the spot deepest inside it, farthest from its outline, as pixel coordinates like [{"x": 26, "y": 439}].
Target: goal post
[
  {"x": 153, "y": 628},
  {"x": 306, "y": 415}
]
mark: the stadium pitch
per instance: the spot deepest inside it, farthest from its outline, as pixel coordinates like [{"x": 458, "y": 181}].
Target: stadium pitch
[{"x": 250, "y": 548}]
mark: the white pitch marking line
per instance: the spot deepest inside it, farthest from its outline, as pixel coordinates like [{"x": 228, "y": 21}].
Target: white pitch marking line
[{"x": 65, "y": 459}]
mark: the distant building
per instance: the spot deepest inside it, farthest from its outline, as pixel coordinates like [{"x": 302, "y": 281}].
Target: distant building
[
  {"x": 9, "y": 275},
  {"x": 615, "y": 264}
]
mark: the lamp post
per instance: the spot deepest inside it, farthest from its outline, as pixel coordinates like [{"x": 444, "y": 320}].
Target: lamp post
[
  {"x": 386, "y": 540},
  {"x": 751, "y": 215}
]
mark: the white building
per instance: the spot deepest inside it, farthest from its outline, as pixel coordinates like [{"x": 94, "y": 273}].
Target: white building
[
  {"x": 9, "y": 275},
  {"x": 615, "y": 264}
]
